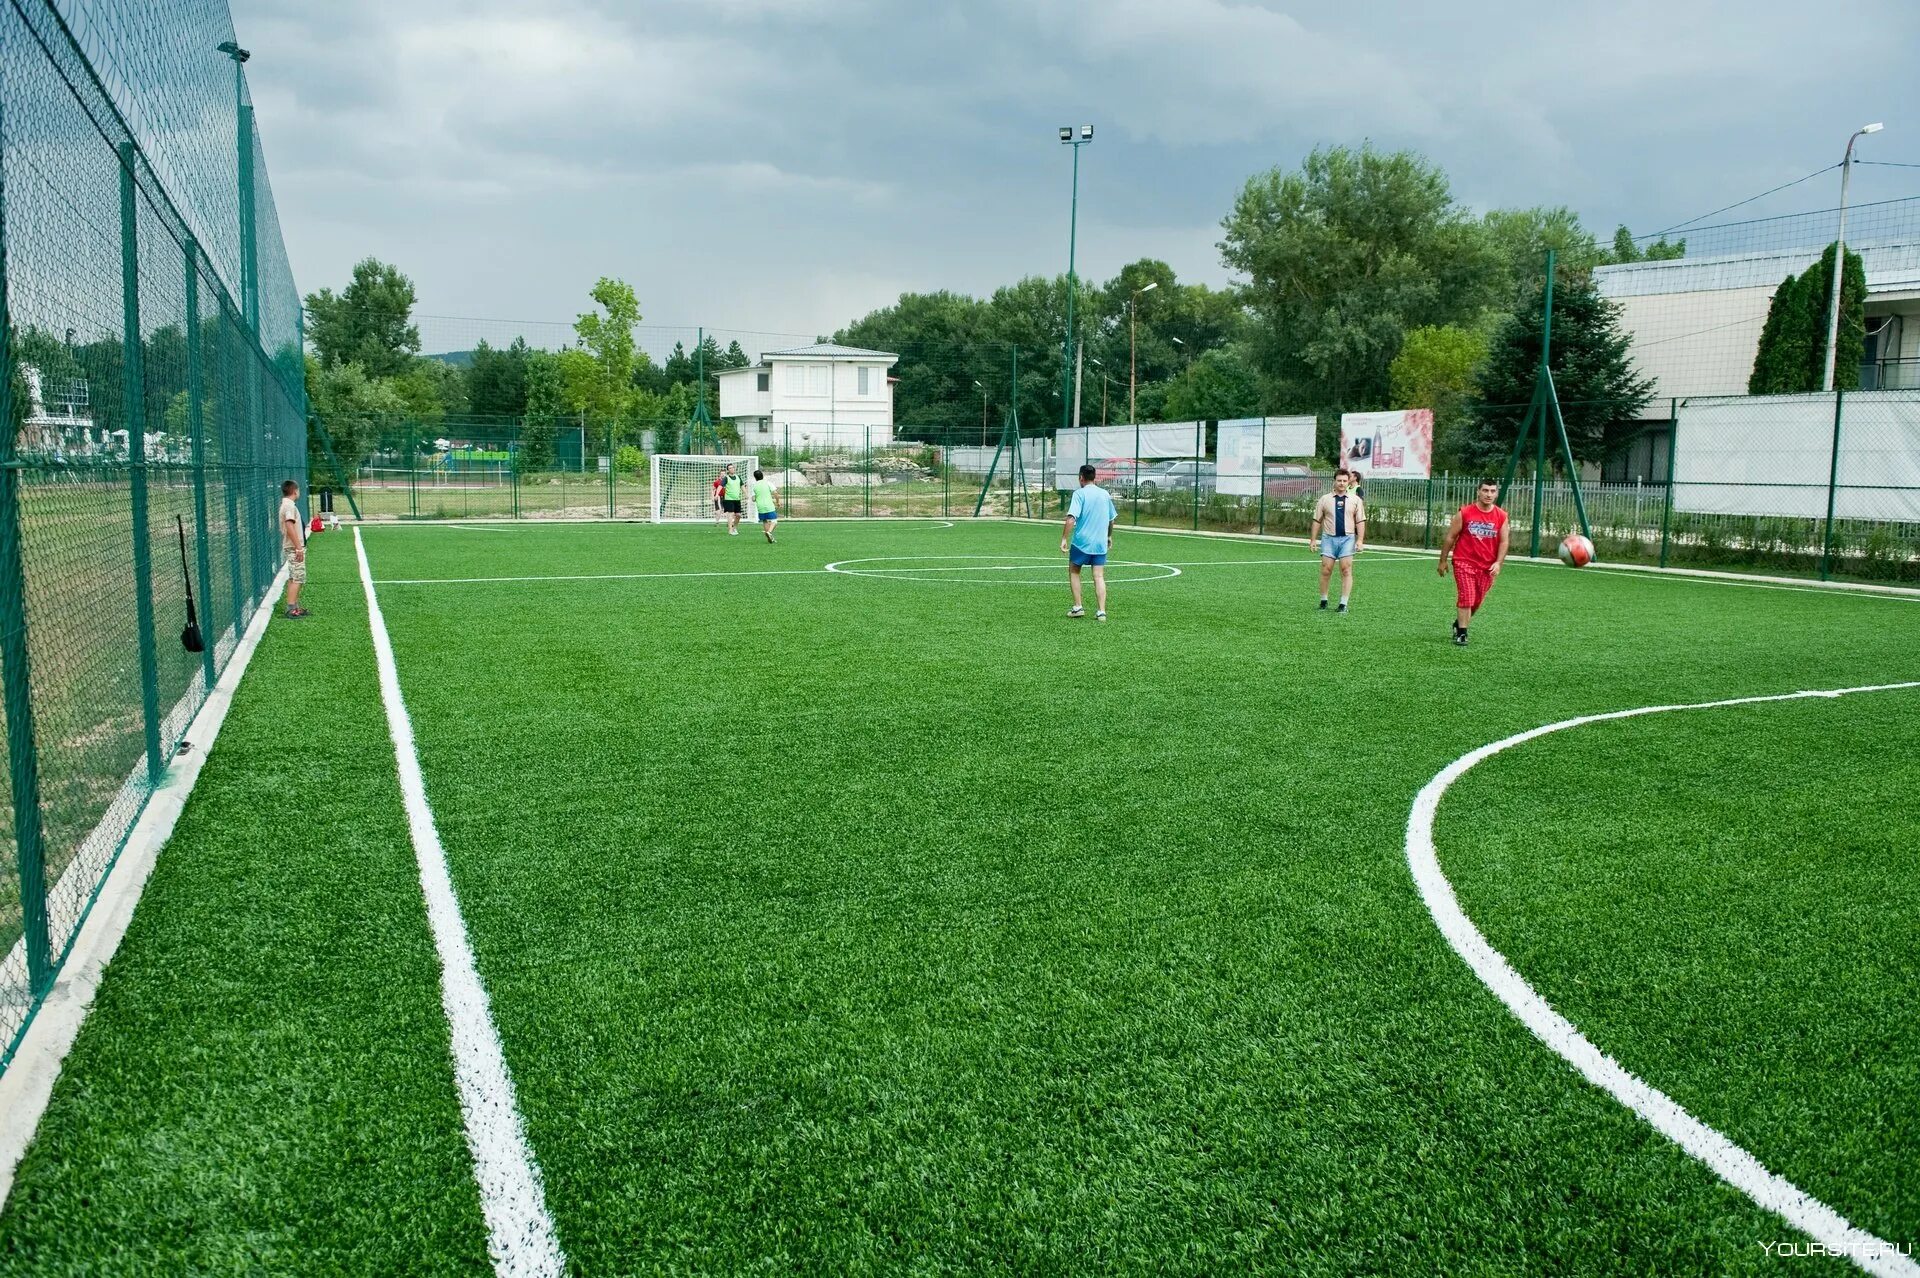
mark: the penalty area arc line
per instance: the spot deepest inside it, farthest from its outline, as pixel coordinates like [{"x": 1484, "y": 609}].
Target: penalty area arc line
[
  {"x": 521, "y": 1239},
  {"x": 1729, "y": 1161}
]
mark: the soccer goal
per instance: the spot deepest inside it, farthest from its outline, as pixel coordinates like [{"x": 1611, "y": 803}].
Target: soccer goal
[{"x": 683, "y": 484}]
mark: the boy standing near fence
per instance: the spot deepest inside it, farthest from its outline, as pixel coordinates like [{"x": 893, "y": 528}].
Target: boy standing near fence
[{"x": 293, "y": 540}]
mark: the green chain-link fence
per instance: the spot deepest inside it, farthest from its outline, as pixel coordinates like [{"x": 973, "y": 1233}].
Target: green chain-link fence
[{"x": 150, "y": 336}]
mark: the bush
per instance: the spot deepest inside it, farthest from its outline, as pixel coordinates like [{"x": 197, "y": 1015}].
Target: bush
[{"x": 629, "y": 458}]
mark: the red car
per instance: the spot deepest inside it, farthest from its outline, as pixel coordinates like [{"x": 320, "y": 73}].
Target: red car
[{"x": 1117, "y": 470}]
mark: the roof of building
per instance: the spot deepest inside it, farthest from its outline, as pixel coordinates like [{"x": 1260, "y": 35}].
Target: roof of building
[
  {"x": 827, "y": 350},
  {"x": 1890, "y": 268}
]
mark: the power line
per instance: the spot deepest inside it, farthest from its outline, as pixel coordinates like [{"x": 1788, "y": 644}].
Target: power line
[
  {"x": 1888, "y": 164},
  {"x": 1750, "y": 199}
]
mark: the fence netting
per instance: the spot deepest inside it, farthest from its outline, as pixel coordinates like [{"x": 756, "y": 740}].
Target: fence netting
[{"x": 154, "y": 401}]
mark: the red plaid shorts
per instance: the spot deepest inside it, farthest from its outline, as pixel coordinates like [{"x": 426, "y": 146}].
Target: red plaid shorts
[{"x": 1471, "y": 584}]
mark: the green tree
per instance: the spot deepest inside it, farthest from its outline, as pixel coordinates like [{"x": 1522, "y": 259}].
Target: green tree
[
  {"x": 1592, "y": 371},
  {"x": 944, "y": 350},
  {"x": 1220, "y": 383},
  {"x": 368, "y": 324},
  {"x": 357, "y": 411},
  {"x": 497, "y": 380},
  {"x": 1791, "y": 357},
  {"x": 546, "y": 405},
  {"x": 1627, "y": 249},
  {"x": 606, "y": 336},
  {"x": 1342, "y": 258},
  {"x": 1435, "y": 369}
]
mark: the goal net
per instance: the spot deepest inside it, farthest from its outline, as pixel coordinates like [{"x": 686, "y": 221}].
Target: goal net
[{"x": 683, "y": 484}]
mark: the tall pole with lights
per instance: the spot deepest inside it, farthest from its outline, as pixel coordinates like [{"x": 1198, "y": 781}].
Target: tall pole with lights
[
  {"x": 1075, "y": 138},
  {"x": 1840, "y": 255}
]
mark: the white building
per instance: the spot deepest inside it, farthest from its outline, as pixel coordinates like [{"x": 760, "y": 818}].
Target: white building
[
  {"x": 1696, "y": 321},
  {"x": 814, "y": 397}
]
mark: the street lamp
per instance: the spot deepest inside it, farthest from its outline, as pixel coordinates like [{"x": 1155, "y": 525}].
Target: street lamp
[
  {"x": 1069, "y": 138},
  {"x": 1840, "y": 253},
  {"x": 1103, "y": 389},
  {"x": 983, "y": 413},
  {"x": 1133, "y": 310}
]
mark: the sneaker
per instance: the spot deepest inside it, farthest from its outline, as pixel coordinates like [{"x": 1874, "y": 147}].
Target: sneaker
[
  {"x": 1076, "y": 612},
  {"x": 733, "y": 532},
  {"x": 1341, "y": 608},
  {"x": 1323, "y": 605},
  {"x": 296, "y": 612},
  {"x": 1459, "y": 637},
  {"x": 1101, "y": 615}
]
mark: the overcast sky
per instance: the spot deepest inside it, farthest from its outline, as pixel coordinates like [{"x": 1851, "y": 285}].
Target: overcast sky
[{"x": 788, "y": 165}]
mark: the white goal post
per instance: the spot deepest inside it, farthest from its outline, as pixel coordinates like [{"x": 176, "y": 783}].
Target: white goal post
[{"x": 683, "y": 484}]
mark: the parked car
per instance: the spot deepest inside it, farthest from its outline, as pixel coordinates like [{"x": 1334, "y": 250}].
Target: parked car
[
  {"x": 1178, "y": 476},
  {"x": 1291, "y": 482},
  {"x": 1117, "y": 470}
]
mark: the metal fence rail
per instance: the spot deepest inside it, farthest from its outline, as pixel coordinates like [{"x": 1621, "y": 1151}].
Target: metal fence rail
[{"x": 143, "y": 409}]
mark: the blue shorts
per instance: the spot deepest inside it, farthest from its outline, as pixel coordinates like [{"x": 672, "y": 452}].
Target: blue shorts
[
  {"x": 768, "y": 516},
  {"x": 1332, "y": 547},
  {"x": 1081, "y": 559}
]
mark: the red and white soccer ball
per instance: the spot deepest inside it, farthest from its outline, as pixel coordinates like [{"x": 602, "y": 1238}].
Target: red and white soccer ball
[{"x": 1576, "y": 551}]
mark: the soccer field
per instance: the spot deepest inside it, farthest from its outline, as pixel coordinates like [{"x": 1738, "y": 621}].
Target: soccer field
[{"x": 842, "y": 907}]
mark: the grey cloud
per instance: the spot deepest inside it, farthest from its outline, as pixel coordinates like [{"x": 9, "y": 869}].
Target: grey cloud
[{"x": 793, "y": 162}]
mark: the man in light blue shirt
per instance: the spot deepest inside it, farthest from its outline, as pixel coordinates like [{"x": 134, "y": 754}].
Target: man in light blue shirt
[{"x": 1084, "y": 540}]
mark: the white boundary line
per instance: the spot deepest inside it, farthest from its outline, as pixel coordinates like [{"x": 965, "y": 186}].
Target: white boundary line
[
  {"x": 27, "y": 1084},
  {"x": 520, "y": 1233},
  {"x": 602, "y": 576},
  {"x": 831, "y": 569},
  {"x": 1752, "y": 581},
  {"x": 469, "y": 522},
  {"x": 1730, "y": 1162}
]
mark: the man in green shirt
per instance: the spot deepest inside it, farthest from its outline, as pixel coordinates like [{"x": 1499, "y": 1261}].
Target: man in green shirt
[
  {"x": 730, "y": 499},
  {"x": 763, "y": 504}
]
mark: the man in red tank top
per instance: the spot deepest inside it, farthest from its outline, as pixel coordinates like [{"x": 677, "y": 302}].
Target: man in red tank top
[{"x": 1477, "y": 544}]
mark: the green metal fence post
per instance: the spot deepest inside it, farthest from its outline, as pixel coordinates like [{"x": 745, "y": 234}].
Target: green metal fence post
[
  {"x": 1136, "y": 474},
  {"x": 197, "y": 429},
  {"x": 1199, "y": 456},
  {"x": 133, "y": 386},
  {"x": 15, "y": 673},
  {"x": 1673, "y": 449},
  {"x": 611, "y": 452},
  {"x": 1833, "y": 484},
  {"x": 1260, "y": 526},
  {"x": 867, "y": 435}
]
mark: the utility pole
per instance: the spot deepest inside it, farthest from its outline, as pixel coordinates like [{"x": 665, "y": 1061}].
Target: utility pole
[{"x": 1076, "y": 139}]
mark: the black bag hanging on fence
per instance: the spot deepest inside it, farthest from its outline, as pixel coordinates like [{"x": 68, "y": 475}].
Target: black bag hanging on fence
[{"x": 190, "y": 635}]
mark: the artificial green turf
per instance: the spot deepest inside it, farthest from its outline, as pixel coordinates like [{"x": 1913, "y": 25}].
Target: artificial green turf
[
  {"x": 1753, "y": 951},
  {"x": 870, "y": 924},
  {"x": 263, "y": 1085},
  {"x": 847, "y": 924}
]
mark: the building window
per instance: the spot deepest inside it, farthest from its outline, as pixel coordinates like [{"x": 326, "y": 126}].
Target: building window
[
  {"x": 795, "y": 380},
  {"x": 765, "y": 381},
  {"x": 864, "y": 373},
  {"x": 817, "y": 379}
]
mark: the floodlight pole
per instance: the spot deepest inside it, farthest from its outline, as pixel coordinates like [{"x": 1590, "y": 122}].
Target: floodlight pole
[
  {"x": 1840, "y": 257},
  {"x": 1075, "y": 138}
]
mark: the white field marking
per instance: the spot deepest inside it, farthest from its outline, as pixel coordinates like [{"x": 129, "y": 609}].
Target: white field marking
[
  {"x": 642, "y": 521},
  {"x": 1050, "y": 564},
  {"x": 600, "y": 576},
  {"x": 520, "y": 1232},
  {"x": 27, "y": 1084},
  {"x": 1706, "y": 576},
  {"x": 1730, "y": 1162}
]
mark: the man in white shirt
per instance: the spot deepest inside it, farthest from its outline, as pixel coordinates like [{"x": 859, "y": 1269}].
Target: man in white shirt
[
  {"x": 1340, "y": 526},
  {"x": 293, "y": 539}
]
